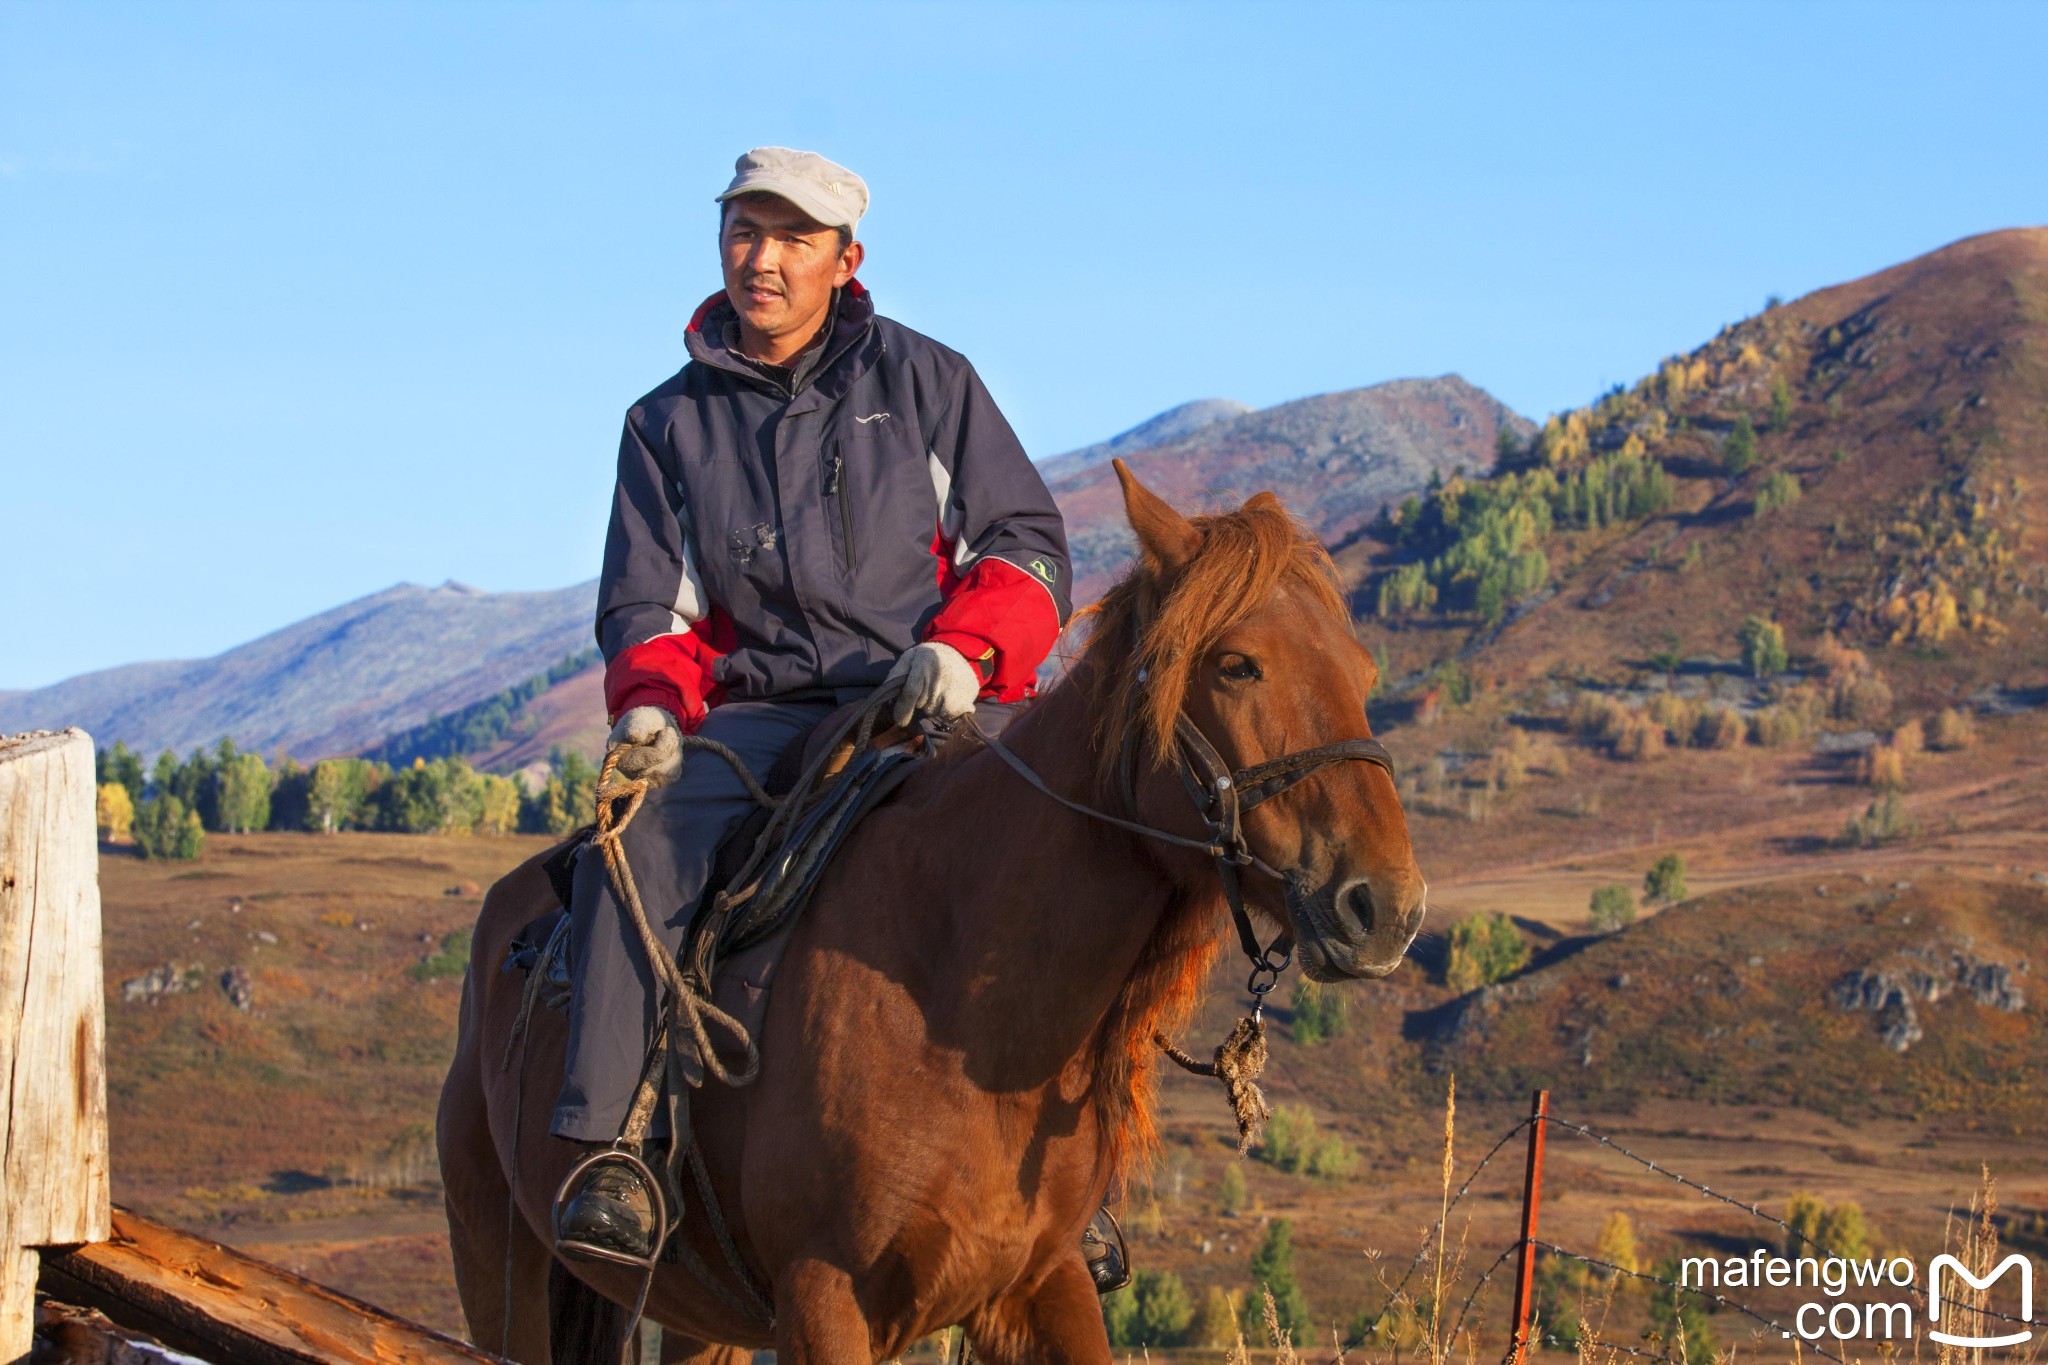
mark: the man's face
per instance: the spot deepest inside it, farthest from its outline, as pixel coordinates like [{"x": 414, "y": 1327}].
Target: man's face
[{"x": 780, "y": 266}]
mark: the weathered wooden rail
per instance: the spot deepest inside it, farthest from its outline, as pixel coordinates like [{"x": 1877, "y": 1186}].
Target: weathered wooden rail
[{"x": 58, "y": 1228}]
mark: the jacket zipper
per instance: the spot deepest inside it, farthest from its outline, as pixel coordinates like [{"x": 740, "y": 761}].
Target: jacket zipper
[{"x": 833, "y": 469}]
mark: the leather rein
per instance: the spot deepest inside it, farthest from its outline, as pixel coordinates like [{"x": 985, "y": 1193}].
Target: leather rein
[{"x": 1221, "y": 797}]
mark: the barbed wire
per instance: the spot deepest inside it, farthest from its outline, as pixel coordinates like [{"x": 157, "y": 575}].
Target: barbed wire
[
  {"x": 1422, "y": 1252},
  {"x": 1512, "y": 1248}
]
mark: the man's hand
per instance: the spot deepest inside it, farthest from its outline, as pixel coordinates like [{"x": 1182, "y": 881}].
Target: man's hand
[
  {"x": 937, "y": 681},
  {"x": 651, "y": 745}
]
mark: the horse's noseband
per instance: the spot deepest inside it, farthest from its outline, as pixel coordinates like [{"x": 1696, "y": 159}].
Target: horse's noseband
[{"x": 1222, "y": 797}]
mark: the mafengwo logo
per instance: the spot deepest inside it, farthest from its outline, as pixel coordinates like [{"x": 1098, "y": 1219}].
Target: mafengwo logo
[
  {"x": 1938, "y": 1297},
  {"x": 1991, "y": 1320}
]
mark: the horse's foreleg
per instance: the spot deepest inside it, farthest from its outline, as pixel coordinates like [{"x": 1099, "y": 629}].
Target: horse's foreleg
[
  {"x": 1058, "y": 1320},
  {"x": 477, "y": 1197},
  {"x": 817, "y": 1319}
]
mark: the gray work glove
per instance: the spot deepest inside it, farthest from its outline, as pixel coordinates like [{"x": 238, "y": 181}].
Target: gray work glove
[
  {"x": 650, "y": 744},
  {"x": 937, "y": 681}
]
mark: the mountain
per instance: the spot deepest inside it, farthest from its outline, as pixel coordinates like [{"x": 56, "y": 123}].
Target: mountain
[
  {"x": 1175, "y": 424},
  {"x": 1335, "y": 460},
  {"x": 1856, "y": 462},
  {"x": 333, "y": 683}
]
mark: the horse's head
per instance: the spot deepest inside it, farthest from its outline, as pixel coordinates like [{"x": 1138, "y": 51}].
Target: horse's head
[{"x": 1237, "y": 621}]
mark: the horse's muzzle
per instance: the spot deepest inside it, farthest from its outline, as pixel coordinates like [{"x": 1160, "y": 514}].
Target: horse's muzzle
[{"x": 1354, "y": 931}]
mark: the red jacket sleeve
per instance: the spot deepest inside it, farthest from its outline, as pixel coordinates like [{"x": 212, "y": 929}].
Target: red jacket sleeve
[
  {"x": 672, "y": 672},
  {"x": 1004, "y": 621}
]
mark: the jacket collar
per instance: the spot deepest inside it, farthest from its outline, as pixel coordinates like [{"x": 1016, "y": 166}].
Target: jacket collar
[{"x": 853, "y": 316}]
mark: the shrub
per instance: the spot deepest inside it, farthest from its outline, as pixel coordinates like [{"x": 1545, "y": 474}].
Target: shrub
[
  {"x": 1560, "y": 1296},
  {"x": 166, "y": 828},
  {"x": 1678, "y": 1319},
  {"x": 1613, "y": 907},
  {"x": 1640, "y": 739},
  {"x": 1293, "y": 1145},
  {"x": 1153, "y": 1310},
  {"x": 1674, "y": 714},
  {"x": 1230, "y": 1191},
  {"x": 452, "y": 960},
  {"x": 1483, "y": 949},
  {"x": 1598, "y": 716},
  {"x": 1719, "y": 727},
  {"x": 1738, "y": 452},
  {"x": 1836, "y": 1230},
  {"x": 1617, "y": 1244},
  {"x": 1215, "y": 1325},
  {"x": 1775, "y": 727},
  {"x": 1665, "y": 881},
  {"x": 1781, "y": 404},
  {"x": 1882, "y": 822},
  {"x": 1778, "y": 492},
  {"x": 1910, "y": 739},
  {"x": 1841, "y": 1231},
  {"x": 1884, "y": 766},
  {"x": 1319, "y": 1012},
  {"x": 114, "y": 812},
  {"x": 1864, "y": 701},
  {"x": 1763, "y": 646},
  {"x": 1120, "y": 1315},
  {"x": 1953, "y": 729}
]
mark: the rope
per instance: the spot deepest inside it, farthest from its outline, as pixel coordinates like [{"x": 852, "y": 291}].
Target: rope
[{"x": 688, "y": 1008}]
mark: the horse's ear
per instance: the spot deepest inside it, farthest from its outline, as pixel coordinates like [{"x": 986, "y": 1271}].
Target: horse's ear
[
  {"x": 1265, "y": 500},
  {"x": 1166, "y": 538}
]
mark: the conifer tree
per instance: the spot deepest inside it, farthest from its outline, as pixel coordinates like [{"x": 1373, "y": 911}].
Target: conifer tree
[{"x": 1273, "y": 1269}]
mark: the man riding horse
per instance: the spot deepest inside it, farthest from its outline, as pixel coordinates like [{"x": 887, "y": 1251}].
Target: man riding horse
[{"x": 819, "y": 501}]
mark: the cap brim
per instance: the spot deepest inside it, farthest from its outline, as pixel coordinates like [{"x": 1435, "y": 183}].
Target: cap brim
[{"x": 820, "y": 209}]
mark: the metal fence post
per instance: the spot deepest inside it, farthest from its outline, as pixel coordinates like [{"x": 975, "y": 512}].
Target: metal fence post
[{"x": 1532, "y": 1198}]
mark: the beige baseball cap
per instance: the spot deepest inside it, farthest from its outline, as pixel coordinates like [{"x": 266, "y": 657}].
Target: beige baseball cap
[{"x": 826, "y": 190}]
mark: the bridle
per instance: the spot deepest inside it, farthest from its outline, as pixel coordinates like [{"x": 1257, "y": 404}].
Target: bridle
[{"x": 1221, "y": 797}]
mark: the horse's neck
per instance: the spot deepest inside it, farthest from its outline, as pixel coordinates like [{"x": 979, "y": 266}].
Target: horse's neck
[{"x": 1050, "y": 913}]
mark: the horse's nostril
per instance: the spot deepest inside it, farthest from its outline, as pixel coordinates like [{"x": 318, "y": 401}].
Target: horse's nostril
[{"x": 1358, "y": 899}]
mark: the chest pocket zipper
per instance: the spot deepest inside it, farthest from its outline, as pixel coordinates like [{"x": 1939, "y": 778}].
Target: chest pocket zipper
[{"x": 835, "y": 468}]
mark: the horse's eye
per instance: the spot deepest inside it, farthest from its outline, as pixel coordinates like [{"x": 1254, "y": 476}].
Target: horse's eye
[{"x": 1238, "y": 668}]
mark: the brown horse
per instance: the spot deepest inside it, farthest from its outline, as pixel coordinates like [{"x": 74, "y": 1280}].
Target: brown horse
[{"x": 956, "y": 1058}]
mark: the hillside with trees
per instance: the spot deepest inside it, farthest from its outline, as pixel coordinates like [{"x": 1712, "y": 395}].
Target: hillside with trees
[{"x": 1852, "y": 469}]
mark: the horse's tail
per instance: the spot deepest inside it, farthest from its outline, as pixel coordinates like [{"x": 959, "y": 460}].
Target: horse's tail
[{"x": 585, "y": 1327}]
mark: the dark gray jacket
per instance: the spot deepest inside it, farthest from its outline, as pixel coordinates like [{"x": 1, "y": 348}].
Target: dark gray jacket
[{"x": 765, "y": 543}]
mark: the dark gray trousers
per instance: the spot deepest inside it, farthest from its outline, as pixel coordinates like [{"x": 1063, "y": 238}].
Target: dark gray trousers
[{"x": 671, "y": 845}]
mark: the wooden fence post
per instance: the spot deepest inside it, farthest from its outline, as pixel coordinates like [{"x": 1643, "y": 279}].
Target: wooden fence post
[
  {"x": 1532, "y": 1198},
  {"x": 53, "y": 1089}
]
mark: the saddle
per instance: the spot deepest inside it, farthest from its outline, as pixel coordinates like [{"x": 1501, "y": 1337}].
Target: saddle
[{"x": 765, "y": 868}]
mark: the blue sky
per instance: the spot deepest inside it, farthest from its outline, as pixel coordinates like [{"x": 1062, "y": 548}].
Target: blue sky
[{"x": 301, "y": 300}]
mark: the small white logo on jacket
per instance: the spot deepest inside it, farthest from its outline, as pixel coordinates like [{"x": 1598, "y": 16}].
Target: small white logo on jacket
[{"x": 872, "y": 417}]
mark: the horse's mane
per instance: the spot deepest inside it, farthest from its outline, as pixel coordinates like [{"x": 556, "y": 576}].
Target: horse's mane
[{"x": 1241, "y": 559}]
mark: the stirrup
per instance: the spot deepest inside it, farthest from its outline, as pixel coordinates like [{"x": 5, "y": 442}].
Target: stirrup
[
  {"x": 586, "y": 1251},
  {"x": 1110, "y": 1267}
]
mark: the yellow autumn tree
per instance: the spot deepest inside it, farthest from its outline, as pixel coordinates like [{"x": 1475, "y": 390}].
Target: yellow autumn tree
[{"x": 114, "y": 810}]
